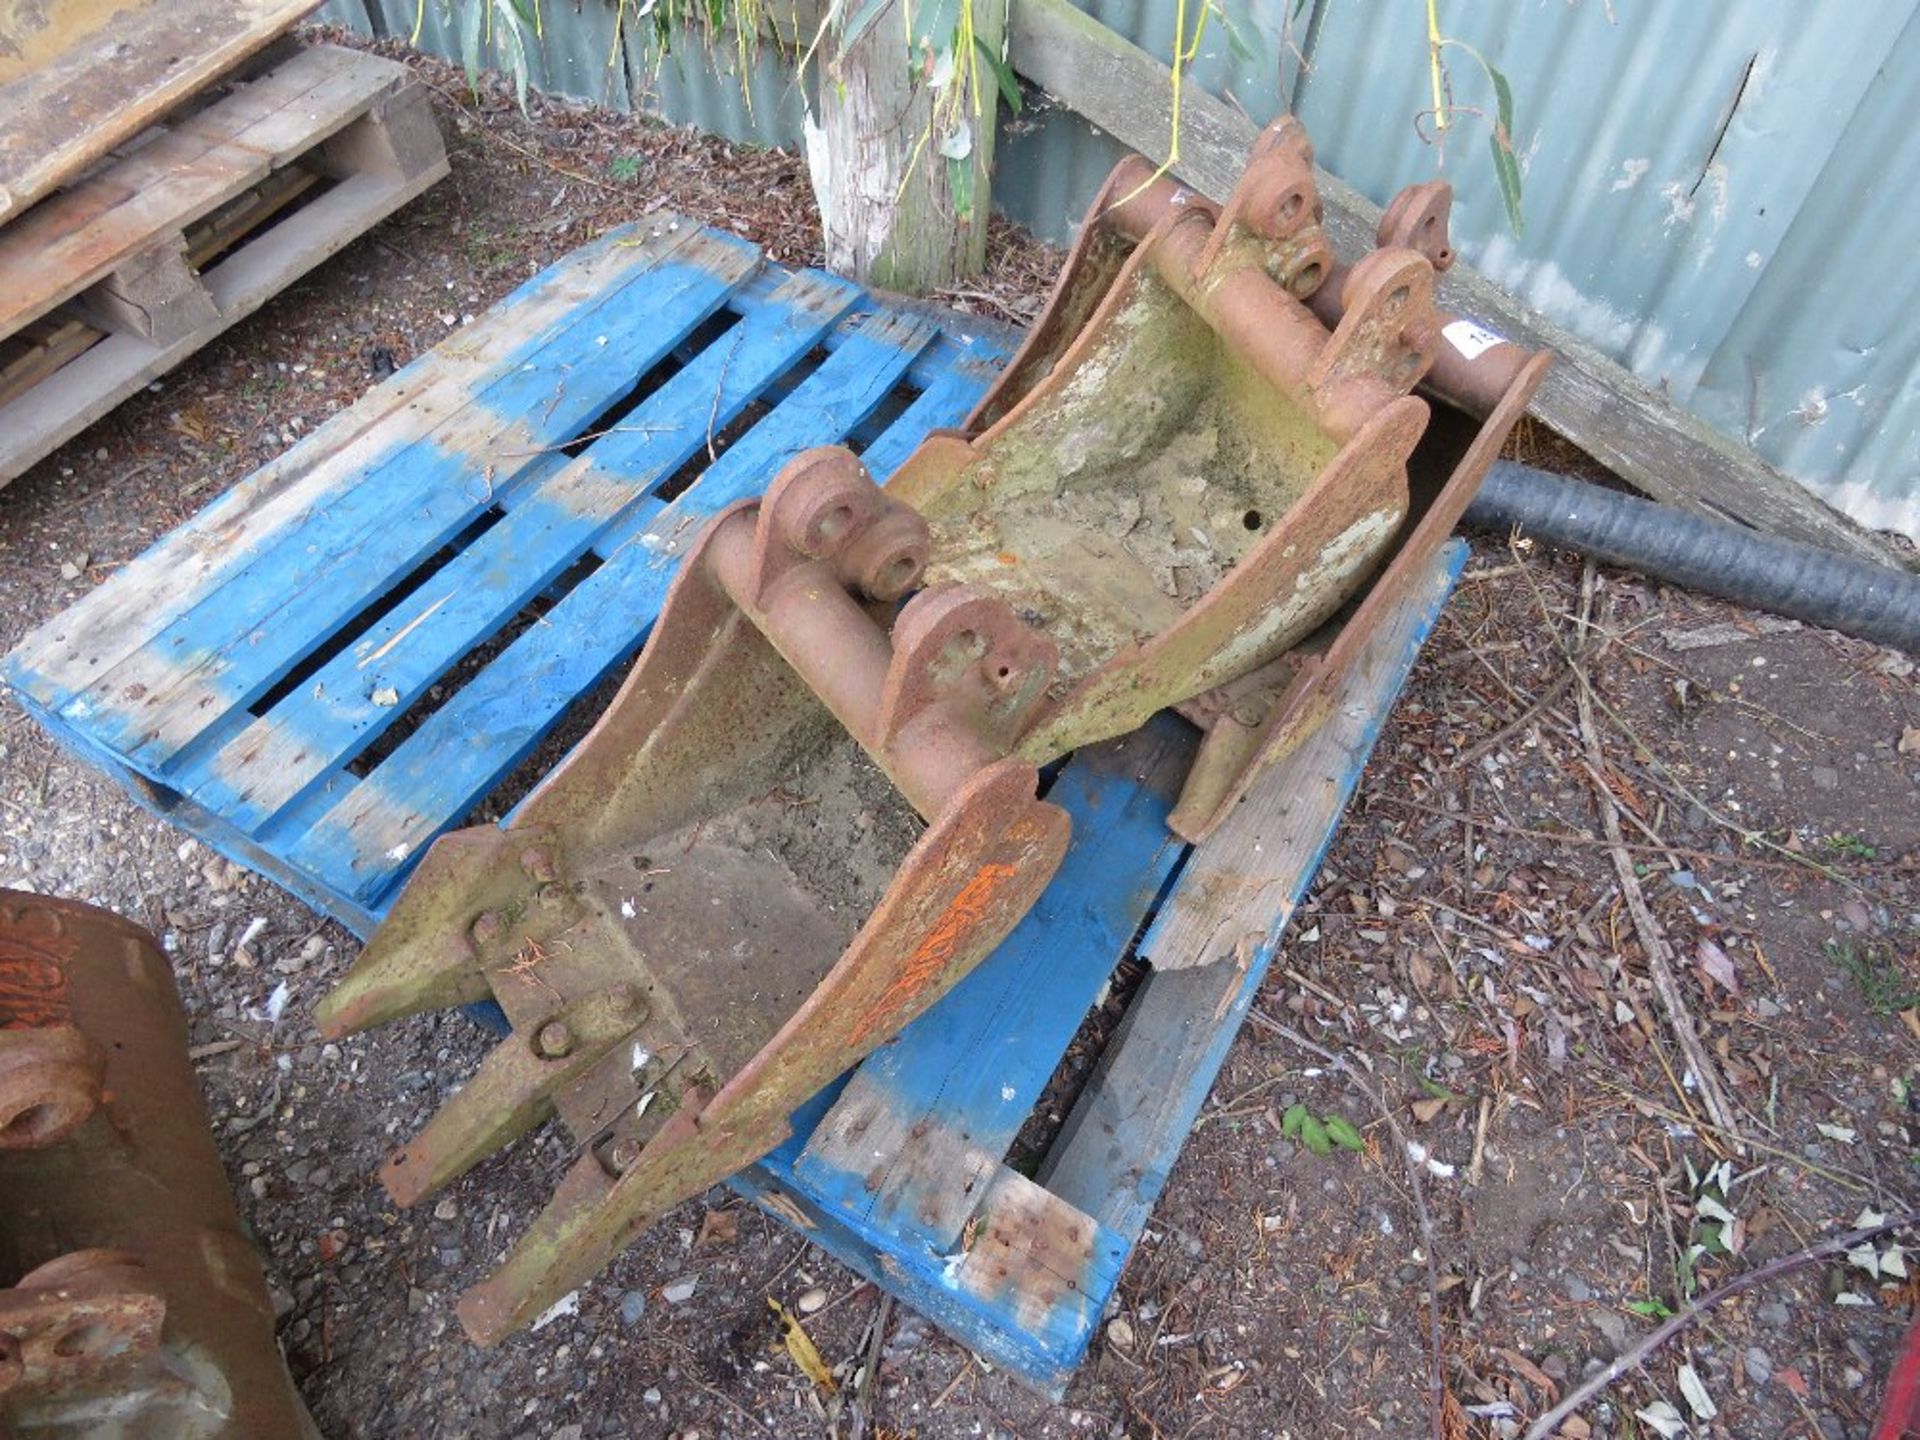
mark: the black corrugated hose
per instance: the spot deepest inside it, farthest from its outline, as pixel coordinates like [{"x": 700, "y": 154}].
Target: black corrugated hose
[{"x": 1855, "y": 597}]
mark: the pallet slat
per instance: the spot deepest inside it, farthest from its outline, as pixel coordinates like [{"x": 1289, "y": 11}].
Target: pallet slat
[
  {"x": 61, "y": 657},
  {"x": 335, "y": 714},
  {"x": 100, "y": 78}
]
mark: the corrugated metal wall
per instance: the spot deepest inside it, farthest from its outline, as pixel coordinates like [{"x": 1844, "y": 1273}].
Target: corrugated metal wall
[{"x": 1722, "y": 196}]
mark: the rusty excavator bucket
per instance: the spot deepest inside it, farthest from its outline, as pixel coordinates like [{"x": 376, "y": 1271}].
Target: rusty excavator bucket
[{"x": 812, "y": 808}]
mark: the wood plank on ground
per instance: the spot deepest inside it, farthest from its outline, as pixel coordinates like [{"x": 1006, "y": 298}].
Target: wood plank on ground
[{"x": 1612, "y": 414}]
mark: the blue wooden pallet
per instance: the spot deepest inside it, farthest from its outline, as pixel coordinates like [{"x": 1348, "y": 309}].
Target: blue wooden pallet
[
  {"x": 238, "y": 675},
  {"x": 245, "y": 678}
]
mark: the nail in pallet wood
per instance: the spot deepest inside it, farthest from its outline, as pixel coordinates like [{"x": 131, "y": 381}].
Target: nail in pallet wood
[
  {"x": 112, "y": 282},
  {"x": 333, "y": 664}
]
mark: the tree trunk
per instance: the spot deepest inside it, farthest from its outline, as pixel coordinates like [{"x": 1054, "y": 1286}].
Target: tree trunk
[{"x": 899, "y": 168}]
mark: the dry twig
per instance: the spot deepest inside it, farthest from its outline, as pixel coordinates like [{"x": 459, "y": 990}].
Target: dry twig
[
  {"x": 1637, "y": 1356},
  {"x": 1653, "y": 939}
]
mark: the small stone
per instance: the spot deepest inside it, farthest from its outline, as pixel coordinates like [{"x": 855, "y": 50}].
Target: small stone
[
  {"x": 1120, "y": 1333},
  {"x": 1825, "y": 777},
  {"x": 650, "y": 1396},
  {"x": 570, "y": 1432},
  {"x": 1759, "y": 1365},
  {"x": 1773, "y": 1314},
  {"x": 633, "y": 1306},
  {"x": 417, "y": 1301},
  {"x": 810, "y": 1300},
  {"x": 448, "y": 1209},
  {"x": 680, "y": 1291},
  {"x": 1578, "y": 1290},
  {"x": 1613, "y": 1325}
]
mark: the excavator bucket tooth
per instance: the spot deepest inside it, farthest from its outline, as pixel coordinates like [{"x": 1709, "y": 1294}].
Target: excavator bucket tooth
[{"x": 814, "y": 804}]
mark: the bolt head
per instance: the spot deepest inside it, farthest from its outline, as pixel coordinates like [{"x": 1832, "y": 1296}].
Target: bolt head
[
  {"x": 624, "y": 1155},
  {"x": 555, "y": 1039}
]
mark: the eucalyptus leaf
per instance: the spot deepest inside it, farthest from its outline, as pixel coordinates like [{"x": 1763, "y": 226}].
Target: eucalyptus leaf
[
  {"x": 1314, "y": 1136},
  {"x": 1291, "y": 1122},
  {"x": 1341, "y": 1132},
  {"x": 473, "y": 17},
  {"x": 1694, "y": 1391},
  {"x": 1003, "y": 76},
  {"x": 1507, "y": 171},
  {"x": 960, "y": 183}
]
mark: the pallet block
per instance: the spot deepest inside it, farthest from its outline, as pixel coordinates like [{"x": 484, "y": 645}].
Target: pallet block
[
  {"x": 112, "y": 282},
  {"x": 344, "y": 656}
]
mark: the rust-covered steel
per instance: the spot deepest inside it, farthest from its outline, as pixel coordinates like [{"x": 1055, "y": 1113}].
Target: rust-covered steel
[
  {"x": 1189, "y": 489},
  {"x": 134, "y": 1306}
]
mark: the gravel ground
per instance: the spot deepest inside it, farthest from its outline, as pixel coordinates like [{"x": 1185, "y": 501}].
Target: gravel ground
[{"x": 1466, "y": 935}]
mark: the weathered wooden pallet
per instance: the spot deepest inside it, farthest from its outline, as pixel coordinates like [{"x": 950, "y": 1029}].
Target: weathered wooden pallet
[
  {"x": 194, "y": 226},
  {"x": 334, "y": 663},
  {"x": 347, "y": 653},
  {"x": 78, "y": 77}
]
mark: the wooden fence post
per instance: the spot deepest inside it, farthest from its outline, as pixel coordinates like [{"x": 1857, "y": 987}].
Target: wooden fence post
[{"x": 901, "y": 168}]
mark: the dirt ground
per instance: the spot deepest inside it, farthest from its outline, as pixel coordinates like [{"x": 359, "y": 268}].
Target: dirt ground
[{"x": 1467, "y": 935}]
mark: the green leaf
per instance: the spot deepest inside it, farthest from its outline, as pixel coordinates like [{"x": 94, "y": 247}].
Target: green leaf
[
  {"x": 1503, "y": 102},
  {"x": 1003, "y": 76},
  {"x": 1342, "y": 1133},
  {"x": 1507, "y": 170},
  {"x": 1291, "y": 1122},
  {"x": 1441, "y": 1092},
  {"x": 1506, "y": 166},
  {"x": 471, "y": 20},
  {"x": 1314, "y": 1136},
  {"x": 1683, "y": 1270},
  {"x": 860, "y": 22},
  {"x": 960, "y": 182},
  {"x": 1652, "y": 1309},
  {"x": 512, "y": 50}
]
